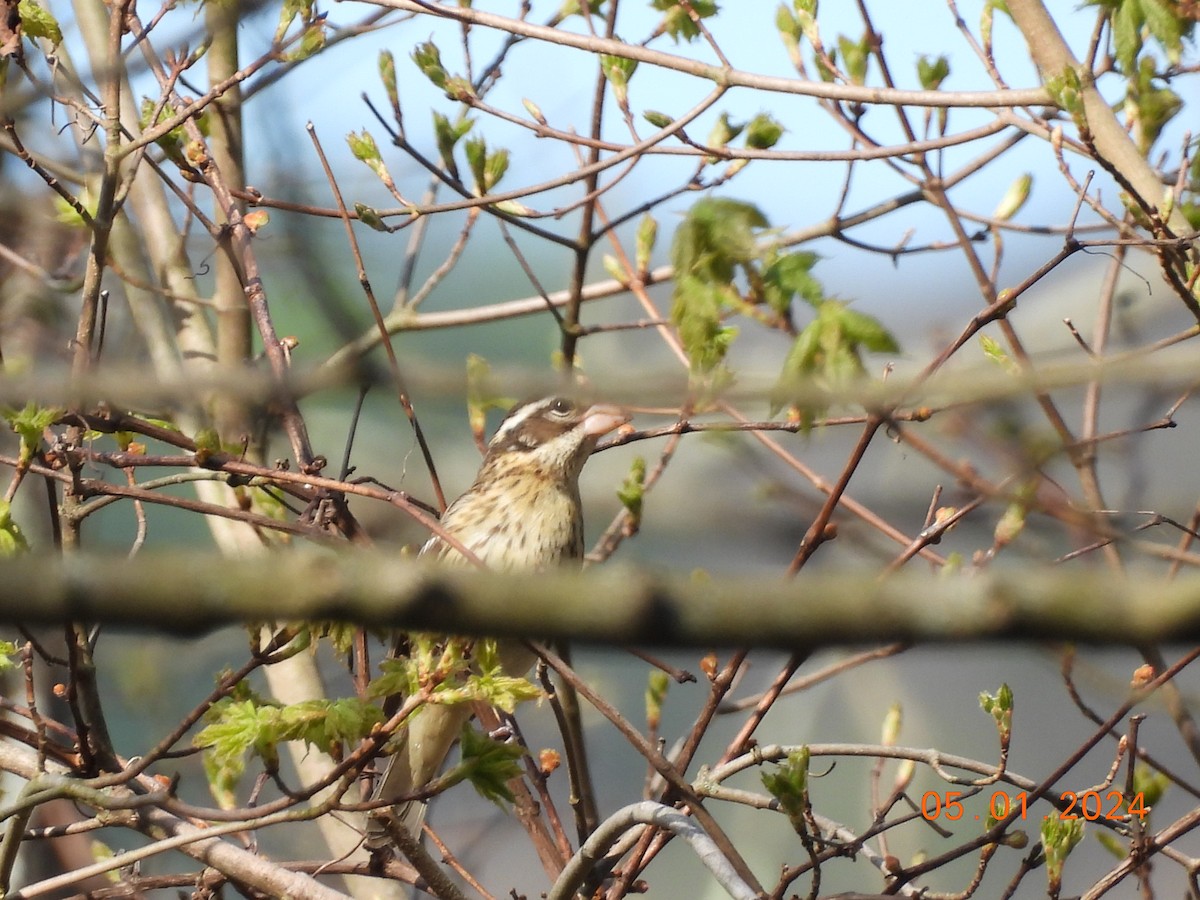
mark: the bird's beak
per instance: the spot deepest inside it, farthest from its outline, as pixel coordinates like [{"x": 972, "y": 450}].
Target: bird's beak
[{"x": 601, "y": 418}]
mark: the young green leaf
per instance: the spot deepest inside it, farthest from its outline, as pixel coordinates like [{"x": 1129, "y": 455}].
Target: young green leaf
[
  {"x": 678, "y": 21},
  {"x": 931, "y": 73},
  {"x": 429, "y": 60},
  {"x": 387, "y": 74},
  {"x": 447, "y": 134},
  {"x": 763, "y": 132},
  {"x": 617, "y": 70},
  {"x": 37, "y": 22},
  {"x": 632, "y": 491},
  {"x": 12, "y": 540},
  {"x": 489, "y": 765},
  {"x": 1059, "y": 838},
  {"x": 789, "y": 785},
  {"x": 647, "y": 237},
  {"x": 789, "y": 276},
  {"x": 657, "y": 685}
]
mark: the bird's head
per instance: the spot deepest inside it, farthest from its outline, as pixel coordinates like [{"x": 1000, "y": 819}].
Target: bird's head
[{"x": 556, "y": 433}]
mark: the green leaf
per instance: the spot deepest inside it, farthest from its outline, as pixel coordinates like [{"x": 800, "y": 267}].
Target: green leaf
[
  {"x": 647, "y": 237},
  {"x": 1167, "y": 23},
  {"x": 763, "y": 132},
  {"x": 1014, "y": 198},
  {"x": 1126, "y": 21},
  {"x": 475, "y": 149},
  {"x": 1059, "y": 838},
  {"x": 7, "y": 651},
  {"x": 1149, "y": 107},
  {"x": 12, "y": 540},
  {"x": 829, "y": 352},
  {"x": 788, "y": 26},
  {"x": 494, "y": 169},
  {"x": 30, "y": 422},
  {"x": 866, "y": 332},
  {"x": 429, "y": 60},
  {"x": 617, "y": 71},
  {"x": 447, "y": 134},
  {"x": 789, "y": 276},
  {"x": 697, "y": 313},
  {"x": 1000, "y": 708},
  {"x": 931, "y": 74},
  {"x": 657, "y": 119},
  {"x": 855, "y": 56},
  {"x": 789, "y": 785},
  {"x": 1067, "y": 93},
  {"x": 657, "y": 685},
  {"x": 678, "y": 22},
  {"x": 369, "y": 217},
  {"x": 994, "y": 351},
  {"x": 723, "y": 131},
  {"x": 387, "y": 74},
  {"x": 37, "y": 22},
  {"x": 311, "y": 42},
  {"x": 489, "y": 765},
  {"x": 717, "y": 235},
  {"x": 633, "y": 489}
]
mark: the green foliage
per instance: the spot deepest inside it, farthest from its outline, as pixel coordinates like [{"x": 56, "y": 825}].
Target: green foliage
[
  {"x": 789, "y": 275},
  {"x": 763, "y": 132},
  {"x": 7, "y": 651},
  {"x": 647, "y": 237},
  {"x": 1014, "y": 198},
  {"x": 238, "y": 726},
  {"x": 174, "y": 141},
  {"x": 723, "y": 131},
  {"x": 486, "y": 168},
  {"x": 370, "y": 217},
  {"x": 289, "y": 11},
  {"x": 617, "y": 71},
  {"x": 387, "y": 75},
  {"x": 855, "y": 56},
  {"x": 29, "y": 423},
  {"x": 677, "y": 20},
  {"x": 429, "y": 60},
  {"x": 447, "y": 134},
  {"x": 489, "y": 765},
  {"x": 828, "y": 352},
  {"x": 311, "y": 42},
  {"x": 717, "y": 237},
  {"x": 452, "y": 671},
  {"x": 995, "y": 352},
  {"x": 1148, "y": 107},
  {"x": 657, "y": 685},
  {"x": 657, "y": 119},
  {"x": 931, "y": 73},
  {"x": 37, "y": 22},
  {"x": 1133, "y": 20},
  {"x": 1067, "y": 92},
  {"x": 1000, "y": 708},
  {"x": 1059, "y": 838},
  {"x": 12, "y": 539},
  {"x": 789, "y": 785},
  {"x": 632, "y": 491}
]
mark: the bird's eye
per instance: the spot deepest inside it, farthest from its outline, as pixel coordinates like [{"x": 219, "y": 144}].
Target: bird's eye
[{"x": 562, "y": 407}]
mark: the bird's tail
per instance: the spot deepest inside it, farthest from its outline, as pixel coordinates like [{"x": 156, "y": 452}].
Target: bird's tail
[{"x": 423, "y": 748}]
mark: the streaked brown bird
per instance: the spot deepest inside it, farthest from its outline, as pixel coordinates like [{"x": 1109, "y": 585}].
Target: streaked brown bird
[{"x": 523, "y": 512}]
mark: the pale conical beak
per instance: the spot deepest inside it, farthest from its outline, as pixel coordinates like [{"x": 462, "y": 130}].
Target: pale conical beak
[{"x": 601, "y": 418}]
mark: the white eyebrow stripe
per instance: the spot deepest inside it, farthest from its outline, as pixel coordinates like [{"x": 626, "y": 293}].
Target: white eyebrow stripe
[{"x": 517, "y": 417}]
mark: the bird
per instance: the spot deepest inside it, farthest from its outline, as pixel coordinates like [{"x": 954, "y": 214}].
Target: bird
[{"x": 522, "y": 513}]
